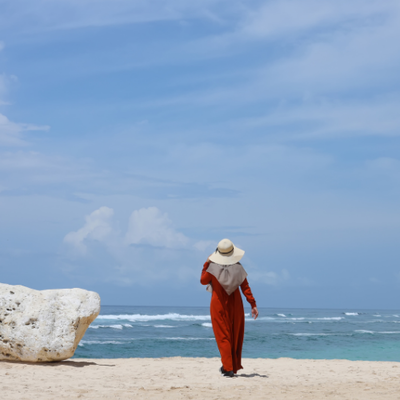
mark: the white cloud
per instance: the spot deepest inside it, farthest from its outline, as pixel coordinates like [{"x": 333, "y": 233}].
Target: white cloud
[
  {"x": 147, "y": 226},
  {"x": 97, "y": 227},
  {"x": 3, "y": 88},
  {"x": 32, "y": 172},
  {"x": 71, "y": 14},
  {"x": 26, "y": 161},
  {"x": 339, "y": 77},
  {"x": 258, "y": 163},
  {"x": 6, "y": 82},
  {"x": 300, "y": 22},
  {"x": 11, "y": 132},
  {"x": 123, "y": 258},
  {"x": 339, "y": 63},
  {"x": 285, "y": 17},
  {"x": 270, "y": 277},
  {"x": 323, "y": 118},
  {"x": 150, "y": 226},
  {"x": 204, "y": 245}
]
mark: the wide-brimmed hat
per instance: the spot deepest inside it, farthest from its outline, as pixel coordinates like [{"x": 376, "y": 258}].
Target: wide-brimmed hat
[{"x": 226, "y": 253}]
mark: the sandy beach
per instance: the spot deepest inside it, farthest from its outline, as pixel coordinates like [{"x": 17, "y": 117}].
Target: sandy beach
[{"x": 198, "y": 378}]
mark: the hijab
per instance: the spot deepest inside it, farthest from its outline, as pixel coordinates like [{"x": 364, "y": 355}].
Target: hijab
[{"x": 230, "y": 276}]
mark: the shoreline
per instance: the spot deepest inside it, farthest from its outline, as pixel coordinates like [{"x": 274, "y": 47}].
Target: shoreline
[{"x": 198, "y": 378}]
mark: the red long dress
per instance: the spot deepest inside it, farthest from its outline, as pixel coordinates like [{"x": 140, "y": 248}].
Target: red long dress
[{"x": 227, "y": 317}]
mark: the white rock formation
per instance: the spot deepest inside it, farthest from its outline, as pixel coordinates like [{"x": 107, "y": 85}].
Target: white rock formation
[{"x": 44, "y": 325}]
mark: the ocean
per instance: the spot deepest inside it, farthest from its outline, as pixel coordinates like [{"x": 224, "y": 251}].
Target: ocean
[{"x": 128, "y": 331}]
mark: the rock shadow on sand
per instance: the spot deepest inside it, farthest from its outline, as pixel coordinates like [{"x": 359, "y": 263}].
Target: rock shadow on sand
[
  {"x": 75, "y": 364},
  {"x": 78, "y": 364}
]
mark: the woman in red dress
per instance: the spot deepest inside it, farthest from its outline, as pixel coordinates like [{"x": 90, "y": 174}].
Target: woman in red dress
[{"x": 223, "y": 274}]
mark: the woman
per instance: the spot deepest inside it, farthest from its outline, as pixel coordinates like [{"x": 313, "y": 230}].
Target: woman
[{"x": 224, "y": 274}]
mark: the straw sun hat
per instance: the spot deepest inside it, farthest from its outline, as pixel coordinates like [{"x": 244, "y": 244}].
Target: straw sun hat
[{"x": 226, "y": 253}]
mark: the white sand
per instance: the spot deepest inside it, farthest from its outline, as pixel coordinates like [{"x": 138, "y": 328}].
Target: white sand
[{"x": 198, "y": 378}]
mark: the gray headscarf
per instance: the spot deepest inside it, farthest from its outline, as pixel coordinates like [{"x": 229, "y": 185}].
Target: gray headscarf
[{"x": 229, "y": 276}]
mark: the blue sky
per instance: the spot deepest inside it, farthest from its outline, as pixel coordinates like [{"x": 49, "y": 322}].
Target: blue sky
[{"x": 134, "y": 135}]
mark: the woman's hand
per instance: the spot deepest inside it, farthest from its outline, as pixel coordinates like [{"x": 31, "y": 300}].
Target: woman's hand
[{"x": 254, "y": 312}]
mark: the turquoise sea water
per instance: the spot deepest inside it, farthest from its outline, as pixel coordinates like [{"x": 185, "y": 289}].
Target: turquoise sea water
[{"x": 127, "y": 331}]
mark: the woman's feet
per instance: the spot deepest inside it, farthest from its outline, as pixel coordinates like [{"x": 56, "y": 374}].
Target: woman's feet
[{"x": 226, "y": 374}]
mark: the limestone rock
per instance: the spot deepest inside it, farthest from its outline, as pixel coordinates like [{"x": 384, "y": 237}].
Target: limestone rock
[{"x": 44, "y": 325}]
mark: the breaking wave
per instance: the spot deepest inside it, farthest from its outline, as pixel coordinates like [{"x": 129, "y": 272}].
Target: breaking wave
[{"x": 160, "y": 317}]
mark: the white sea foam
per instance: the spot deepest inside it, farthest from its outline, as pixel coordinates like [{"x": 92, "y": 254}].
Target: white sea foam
[
  {"x": 351, "y": 313},
  {"x": 373, "y": 321},
  {"x": 363, "y": 331},
  {"x": 296, "y": 319},
  {"x": 160, "y": 317},
  {"x": 109, "y": 326},
  {"x": 190, "y": 338},
  {"x": 163, "y": 326},
  {"x": 312, "y": 334},
  {"x": 316, "y": 319},
  {"x": 83, "y": 342},
  {"x": 207, "y": 324},
  {"x": 115, "y": 326},
  {"x": 396, "y": 316},
  {"x": 377, "y": 315},
  {"x": 383, "y": 332},
  {"x": 281, "y": 315}
]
